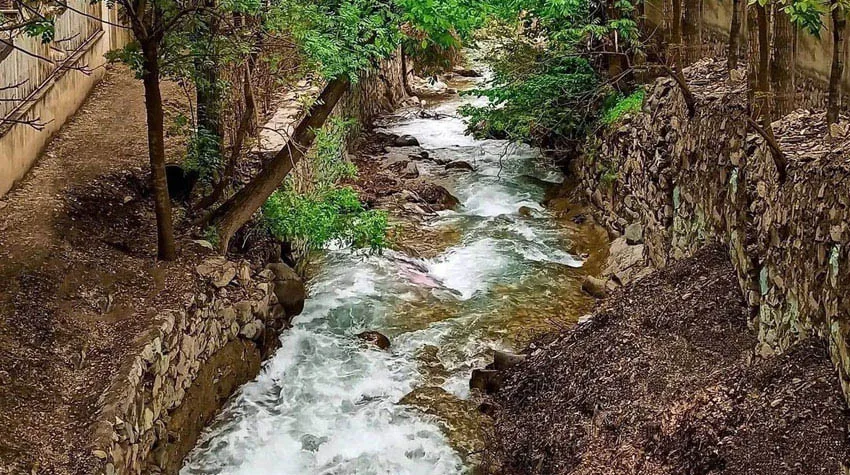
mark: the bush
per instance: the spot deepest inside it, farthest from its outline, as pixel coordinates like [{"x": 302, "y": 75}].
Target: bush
[{"x": 539, "y": 98}]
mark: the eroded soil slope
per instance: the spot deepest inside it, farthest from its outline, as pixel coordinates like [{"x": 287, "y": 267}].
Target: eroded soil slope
[{"x": 664, "y": 380}]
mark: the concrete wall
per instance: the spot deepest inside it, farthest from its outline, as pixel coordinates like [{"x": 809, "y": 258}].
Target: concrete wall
[
  {"x": 691, "y": 180},
  {"x": 813, "y": 54},
  {"x": 56, "y": 99}
]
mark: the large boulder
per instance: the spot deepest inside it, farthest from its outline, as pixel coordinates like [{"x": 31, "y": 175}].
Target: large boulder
[
  {"x": 438, "y": 197},
  {"x": 288, "y": 288},
  {"x": 595, "y": 287},
  {"x": 488, "y": 381}
]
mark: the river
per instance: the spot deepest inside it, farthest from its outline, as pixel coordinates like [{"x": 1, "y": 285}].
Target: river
[{"x": 328, "y": 403}]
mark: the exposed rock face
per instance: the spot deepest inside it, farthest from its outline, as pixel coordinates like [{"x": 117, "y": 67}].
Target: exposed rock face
[
  {"x": 375, "y": 338},
  {"x": 288, "y": 288},
  {"x": 689, "y": 181}
]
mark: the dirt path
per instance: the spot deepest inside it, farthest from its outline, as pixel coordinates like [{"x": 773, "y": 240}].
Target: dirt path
[{"x": 78, "y": 270}]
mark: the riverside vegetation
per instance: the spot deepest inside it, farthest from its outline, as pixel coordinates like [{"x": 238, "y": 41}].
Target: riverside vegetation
[{"x": 372, "y": 218}]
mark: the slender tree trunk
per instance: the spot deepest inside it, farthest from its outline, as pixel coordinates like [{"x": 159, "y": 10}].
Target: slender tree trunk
[
  {"x": 761, "y": 115},
  {"x": 691, "y": 32},
  {"x": 207, "y": 89},
  {"x": 833, "y": 103},
  {"x": 156, "y": 148},
  {"x": 235, "y": 212},
  {"x": 405, "y": 74},
  {"x": 675, "y": 56},
  {"x": 614, "y": 58},
  {"x": 242, "y": 130},
  {"x": 732, "y": 51},
  {"x": 782, "y": 67}
]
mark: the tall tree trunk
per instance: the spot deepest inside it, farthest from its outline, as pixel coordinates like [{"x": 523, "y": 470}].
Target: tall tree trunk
[
  {"x": 242, "y": 131},
  {"x": 733, "y": 48},
  {"x": 207, "y": 89},
  {"x": 405, "y": 73},
  {"x": 833, "y": 103},
  {"x": 614, "y": 56},
  {"x": 675, "y": 57},
  {"x": 759, "y": 83},
  {"x": 156, "y": 148},
  {"x": 235, "y": 212},
  {"x": 691, "y": 32},
  {"x": 782, "y": 67}
]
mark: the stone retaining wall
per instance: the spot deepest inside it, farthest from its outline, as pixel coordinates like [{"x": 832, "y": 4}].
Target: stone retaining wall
[
  {"x": 187, "y": 365},
  {"x": 686, "y": 181}
]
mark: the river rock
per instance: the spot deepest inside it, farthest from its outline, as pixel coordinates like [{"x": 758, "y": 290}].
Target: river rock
[
  {"x": 459, "y": 165},
  {"x": 625, "y": 262},
  {"x": 526, "y": 211},
  {"x": 411, "y": 171},
  {"x": 595, "y": 286},
  {"x": 488, "y": 381},
  {"x": 406, "y": 141},
  {"x": 253, "y": 330},
  {"x": 438, "y": 197},
  {"x": 634, "y": 233},
  {"x": 375, "y": 338},
  {"x": 288, "y": 288},
  {"x": 311, "y": 443},
  {"x": 218, "y": 270},
  {"x": 503, "y": 360},
  {"x": 466, "y": 72}
]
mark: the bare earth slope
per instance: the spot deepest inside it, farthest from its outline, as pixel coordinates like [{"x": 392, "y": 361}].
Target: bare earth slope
[
  {"x": 77, "y": 275},
  {"x": 663, "y": 380}
]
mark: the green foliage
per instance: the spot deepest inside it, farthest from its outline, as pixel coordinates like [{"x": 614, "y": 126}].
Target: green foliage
[
  {"x": 322, "y": 212},
  {"x": 624, "y": 105},
  {"x": 333, "y": 214},
  {"x": 131, "y": 55},
  {"x": 547, "y": 97},
  {"x": 204, "y": 155},
  {"x": 44, "y": 29}
]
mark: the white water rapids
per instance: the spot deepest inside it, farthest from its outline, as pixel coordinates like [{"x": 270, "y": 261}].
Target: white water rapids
[{"x": 327, "y": 403}]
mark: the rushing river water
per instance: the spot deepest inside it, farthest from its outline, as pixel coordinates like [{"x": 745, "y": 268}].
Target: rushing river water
[{"x": 326, "y": 402}]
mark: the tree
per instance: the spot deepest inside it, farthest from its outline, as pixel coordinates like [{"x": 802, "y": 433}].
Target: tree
[
  {"x": 734, "y": 43},
  {"x": 838, "y": 13},
  {"x": 782, "y": 64},
  {"x": 343, "y": 39}
]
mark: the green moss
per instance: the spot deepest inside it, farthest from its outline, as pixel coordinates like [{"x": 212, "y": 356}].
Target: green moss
[{"x": 624, "y": 105}]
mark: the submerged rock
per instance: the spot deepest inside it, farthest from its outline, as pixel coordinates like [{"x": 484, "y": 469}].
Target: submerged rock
[
  {"x": 466, "y": 72},
  {"x": 459, "y": 165},
  {"x": 375, "y": 338}
]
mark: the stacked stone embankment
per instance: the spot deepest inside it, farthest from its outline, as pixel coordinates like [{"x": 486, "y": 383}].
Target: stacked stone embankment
[{"x": 685, "y": 181}]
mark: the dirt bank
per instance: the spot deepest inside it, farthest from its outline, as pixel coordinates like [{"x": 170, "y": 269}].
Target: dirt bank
[{"x": 664, "y": 380}]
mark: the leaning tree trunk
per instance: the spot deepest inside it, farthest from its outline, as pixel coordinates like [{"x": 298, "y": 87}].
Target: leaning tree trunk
[
  {"x": 235, "y": 212},
  {"x": 837, "y": 70},
  {"x": 156, "y": 149},
  {"x": 734, "y": 37},
  {"x": 782, "y": 68},
  {"x": 691, "y": 32}
]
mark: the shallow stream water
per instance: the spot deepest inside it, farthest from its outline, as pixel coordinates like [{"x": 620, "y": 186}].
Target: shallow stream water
[{"x": 328, "y": 403}]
